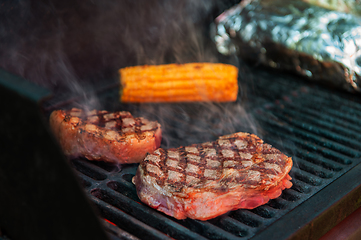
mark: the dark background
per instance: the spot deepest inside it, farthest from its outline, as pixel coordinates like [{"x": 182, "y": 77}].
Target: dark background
[{"x": 57, "y": 43}]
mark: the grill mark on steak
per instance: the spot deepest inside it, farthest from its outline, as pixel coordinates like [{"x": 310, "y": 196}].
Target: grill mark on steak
[
  {"x": 137, "y": 125},
  {"x": 236, "y": 171},
  {"x": 230, "y": 154},
  {"x": 195, "y": 165},
  {"x": 101, "y": 135},
  {"x": 161, "y": 164},
  {"x": 101, "y": 119},
  {"x": 177, "y": 182},
  {"x": 111, "y": 121}
]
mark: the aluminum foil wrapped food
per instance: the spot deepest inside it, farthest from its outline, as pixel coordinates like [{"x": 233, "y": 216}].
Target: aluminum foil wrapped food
[{"x": 318, "y": 43}]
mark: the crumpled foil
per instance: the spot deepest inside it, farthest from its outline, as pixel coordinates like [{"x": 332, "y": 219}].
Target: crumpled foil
[{"x": 318, "y": 43}]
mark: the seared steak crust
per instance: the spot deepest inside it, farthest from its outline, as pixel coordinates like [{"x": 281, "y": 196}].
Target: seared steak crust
[
  {"x": 205, "y": 180},
  {"x": 115, "y": 137}
]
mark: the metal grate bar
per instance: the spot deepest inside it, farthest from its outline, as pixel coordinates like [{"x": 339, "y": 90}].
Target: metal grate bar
[
  {"x": 338, "y": 135},
  {"x": 314, "y": 169},
  {"x": 333, "y": 100},
  {"x": 276, "y": 130},
  {"x": 330, "y": 109},
  {"x": 125, "y": 221},
  {"x": 208, "y": 229},
  {"x": 91, "y": 171},
  {"x": 323, "y": 120},
  {"x": 145, "y": 214},
  {"x": 116, "y": 233},
  {"x": 247, "y": 218},
  {"x": 306, "y": 177},
  {"x": 301, "y": 186},
  {"x": 287, "y": 124},
  {"x": 326, "y": 118},
  {"x": 235, "y": 227}
]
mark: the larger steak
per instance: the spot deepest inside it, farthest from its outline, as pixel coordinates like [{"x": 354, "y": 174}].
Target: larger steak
[{"x": 205, "y": 180}]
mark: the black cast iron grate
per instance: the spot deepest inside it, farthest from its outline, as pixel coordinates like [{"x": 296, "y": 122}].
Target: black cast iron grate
[{"x": 320, "y": 129}]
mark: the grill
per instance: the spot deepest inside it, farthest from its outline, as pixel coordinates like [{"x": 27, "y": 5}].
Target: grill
[
  {"x": 315, "y": 125},
  {"x": 46, "y": 196}
]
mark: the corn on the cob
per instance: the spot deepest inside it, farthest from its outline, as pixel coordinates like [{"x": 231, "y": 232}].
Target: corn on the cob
[{"x": 179, "y": 83}]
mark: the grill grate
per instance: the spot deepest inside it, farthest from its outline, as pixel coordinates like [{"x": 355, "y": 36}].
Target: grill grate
[{"x": 319, "y": 130}]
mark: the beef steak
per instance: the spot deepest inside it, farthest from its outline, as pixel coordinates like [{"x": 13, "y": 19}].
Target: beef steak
[
  {"x": 115, "y": 137},
  {"x": 202, "y": 181}
]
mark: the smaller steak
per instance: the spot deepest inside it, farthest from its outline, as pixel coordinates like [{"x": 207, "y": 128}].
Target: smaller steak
[
  {"x": 115, "y": 137},
  {"x": 203, "y": 181}
]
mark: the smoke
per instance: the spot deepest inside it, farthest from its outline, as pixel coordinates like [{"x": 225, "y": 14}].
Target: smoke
[
  {"x": 189, "y": 123},
  {"x": 78, "y": 46},
  {"x": 57, "y": 43}
]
